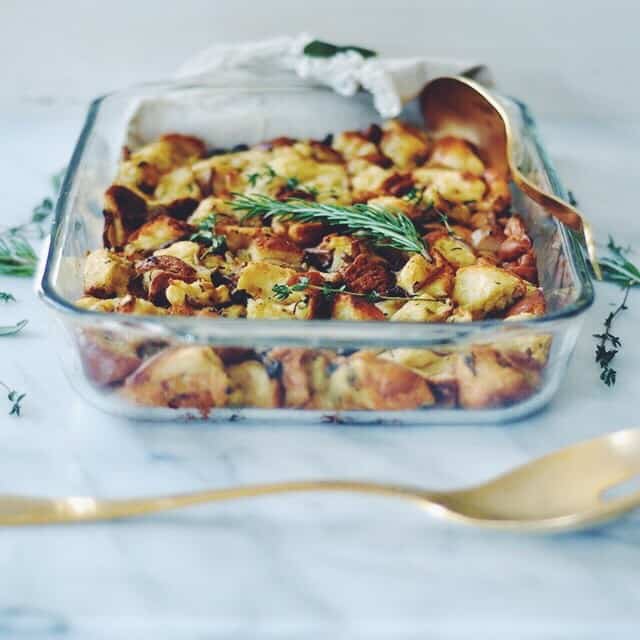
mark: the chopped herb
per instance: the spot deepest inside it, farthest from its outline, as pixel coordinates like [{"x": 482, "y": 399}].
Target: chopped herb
[
  {"x": 414, "y": 194},
  {"x": 292, "y": 183},
  {"x": 206, "y": 235},
  {"x": 252, "y": 178},
  {"x": 322, "y": 49},
  {"x": 572, "y": 199},
  {"x": 6, "y": 297}
]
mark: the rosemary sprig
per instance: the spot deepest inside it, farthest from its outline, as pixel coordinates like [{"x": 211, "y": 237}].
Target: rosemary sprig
[
  {"x": 15, "y": 398},
  {"x": 606, "y": 339},
  {"x": 383, "y": 227},
  {"x": 329, "y": 291},
  {"x": 206, "y": 235},
  {"x": 12, "y": 329},
  {"x": 618, "y": 268},
  {"x": 17, "y": 255}
]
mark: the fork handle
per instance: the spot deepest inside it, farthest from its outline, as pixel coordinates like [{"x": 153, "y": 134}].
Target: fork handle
[{"x": 23, "y": 510}]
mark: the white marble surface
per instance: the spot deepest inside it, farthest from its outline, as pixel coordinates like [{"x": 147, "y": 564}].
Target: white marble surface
[{"x": 314, "y": 566}]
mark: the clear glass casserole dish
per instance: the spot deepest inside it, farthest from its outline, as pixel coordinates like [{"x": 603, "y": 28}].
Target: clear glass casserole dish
[{"x": 150, "y": 367}]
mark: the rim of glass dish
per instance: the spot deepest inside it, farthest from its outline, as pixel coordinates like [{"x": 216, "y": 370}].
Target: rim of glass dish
[{"x": 228, "y": 330}]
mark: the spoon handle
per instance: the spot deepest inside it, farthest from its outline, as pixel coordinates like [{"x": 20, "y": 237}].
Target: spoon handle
[{"x": 24, "y": 510}]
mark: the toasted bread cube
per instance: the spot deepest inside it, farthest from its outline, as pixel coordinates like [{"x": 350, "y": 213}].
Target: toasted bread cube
[
  {"x": 186, "y": 250},
  {"x": 460, "y": 314},
  {"x": 450, "y": 185},
  {"x": 157, "y": 232},
  {"x": 277, "y": 249},
  {"x": 456, "y": 153},
  {"x": 259, "y": 278},
  {"x": 180, "y": 377},
  {"x": 394, "y": 204},
  {"x": 483, "y": 289},
  {"x": 305, "y": 375},
  {"x": 347, "y": 307},
  {"x": 421, "y": 277},
  {"x": 488, "y": 379},
  {"x": 353, "y": 144},
  {"x": 106, "y": 357},
  {"x": 415, "y": 273},
  {"x": 251, "y": 386},
  {"x": 370, "y": 180},
  {"x": 196, "y": 294},
  {"x": 527, "y": 351},
  {"x": 170, "y": 151},
  {"x": 437, "y": 368},
  {"x": 269, "y": 310},
  {"x": 177, "y": 184},
  {"x": 365, "y": 381},
  {"x": 455, "y": 251},
  {"x": 138, "y": 306},
  {"x": 97, "y": 304},
  {"x": 532, "y": 305},
  {"x": 106, "y": 274},
  {"x": 422, "y": 311},
  {"x": 404, "y": 144}
]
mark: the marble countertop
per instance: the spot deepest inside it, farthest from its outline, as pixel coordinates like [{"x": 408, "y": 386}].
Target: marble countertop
[{"x": 305, "y": 566}]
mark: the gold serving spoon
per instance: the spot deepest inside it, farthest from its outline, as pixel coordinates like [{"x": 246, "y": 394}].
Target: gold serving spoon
[
  {"x": 459, "y": 106},
  {"x": 560, "y": 491}
]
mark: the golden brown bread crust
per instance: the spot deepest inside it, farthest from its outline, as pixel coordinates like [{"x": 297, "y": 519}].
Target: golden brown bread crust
[{"x": 173, "y": 245}]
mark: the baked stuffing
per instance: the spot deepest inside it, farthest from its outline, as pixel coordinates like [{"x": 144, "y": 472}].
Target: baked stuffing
[{"x": 386, "y": 224}]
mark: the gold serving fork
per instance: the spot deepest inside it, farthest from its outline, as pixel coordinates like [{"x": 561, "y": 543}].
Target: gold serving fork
[
  {"x": 459, "y": 106},
  {"x": 561, "y": 491}
]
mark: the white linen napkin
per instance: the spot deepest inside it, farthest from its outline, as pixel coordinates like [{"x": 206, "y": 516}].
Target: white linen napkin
[{"x": 392, "y": 81}]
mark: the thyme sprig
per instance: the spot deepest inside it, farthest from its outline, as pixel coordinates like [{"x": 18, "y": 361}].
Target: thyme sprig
[
  {"x": 383, "y": 227},
  {"x": 609, "y": 344},
  {"x": 616, "y": 268},
  {"x": 329, "y": 291},
  {"x": 15, "y": 398}
]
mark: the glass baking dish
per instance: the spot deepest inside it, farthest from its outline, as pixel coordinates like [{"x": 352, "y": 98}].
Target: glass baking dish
[{"x": 225, "y": 116}]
